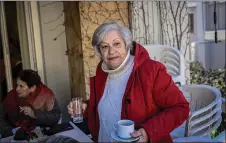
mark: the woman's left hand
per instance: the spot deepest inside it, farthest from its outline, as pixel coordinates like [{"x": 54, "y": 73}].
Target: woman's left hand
[
  {"x": 28, "y": 111},
  {"x": 142, "y": 134}
]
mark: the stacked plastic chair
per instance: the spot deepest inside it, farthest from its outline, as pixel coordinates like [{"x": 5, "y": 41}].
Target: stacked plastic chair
[
  {"x": 205, "y": 111},
  {"x": 172, "y": 58}
]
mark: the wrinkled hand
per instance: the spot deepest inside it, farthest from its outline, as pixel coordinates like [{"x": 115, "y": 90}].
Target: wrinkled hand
[
  {"x": 70, "y": 108},
  {"x": 28, "y": 111},
  {"x": 142, "y": 134}
]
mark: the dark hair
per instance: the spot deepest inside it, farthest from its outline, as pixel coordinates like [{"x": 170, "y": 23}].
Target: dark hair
[
  {"x": 30, "y": 77},
  {"x": 60, "y": 139}
]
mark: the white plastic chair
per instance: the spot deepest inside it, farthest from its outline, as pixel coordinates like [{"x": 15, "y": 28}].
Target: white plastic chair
[
  {"x": 172, "y": 58},
  {"x": 205, "y": 111}
]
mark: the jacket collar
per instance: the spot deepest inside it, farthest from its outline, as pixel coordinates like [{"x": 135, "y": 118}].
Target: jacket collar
[{"x": 140, "y": 55}]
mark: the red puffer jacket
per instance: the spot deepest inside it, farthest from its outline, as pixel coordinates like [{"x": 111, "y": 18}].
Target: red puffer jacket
[{"x": 151, "y": 99}]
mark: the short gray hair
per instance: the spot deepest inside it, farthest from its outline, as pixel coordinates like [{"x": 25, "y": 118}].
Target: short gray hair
[{"x": 103, "y": 29}]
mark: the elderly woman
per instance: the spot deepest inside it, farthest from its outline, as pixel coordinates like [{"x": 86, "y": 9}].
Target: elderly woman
[
  {"x": 130, "y": 85},
  {"x": 31, "y": 104}
]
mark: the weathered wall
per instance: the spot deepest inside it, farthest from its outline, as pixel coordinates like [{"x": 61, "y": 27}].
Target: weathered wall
[{"x": 54, "y": 47}]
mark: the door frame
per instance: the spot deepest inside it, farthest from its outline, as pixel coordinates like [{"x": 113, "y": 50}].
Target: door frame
[
  {"x": 31, "y": 40},
  {"x": 5, "y": 46}
]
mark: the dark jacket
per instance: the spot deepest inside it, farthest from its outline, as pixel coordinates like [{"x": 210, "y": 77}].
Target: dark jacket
[
  {"x": 46, "y": 119},
  {"x": 151, "y": 99}
]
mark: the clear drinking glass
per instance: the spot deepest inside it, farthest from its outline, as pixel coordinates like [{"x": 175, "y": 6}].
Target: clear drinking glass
[
  {"x": 77, "y": 110},
  {"x": 38, "y": 132}
]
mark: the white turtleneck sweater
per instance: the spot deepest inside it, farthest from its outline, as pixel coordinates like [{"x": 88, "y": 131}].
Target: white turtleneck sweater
[{"x": 109, "y": 107}]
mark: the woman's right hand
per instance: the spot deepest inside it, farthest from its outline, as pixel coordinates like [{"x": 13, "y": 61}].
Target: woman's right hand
[{"x": 70, "y": 108}]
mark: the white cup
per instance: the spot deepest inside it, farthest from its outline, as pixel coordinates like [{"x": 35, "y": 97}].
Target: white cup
[{"x": 124, "y": 128}]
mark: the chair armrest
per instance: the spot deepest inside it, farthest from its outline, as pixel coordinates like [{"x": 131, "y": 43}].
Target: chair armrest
[{"x": 204, "y": 109}]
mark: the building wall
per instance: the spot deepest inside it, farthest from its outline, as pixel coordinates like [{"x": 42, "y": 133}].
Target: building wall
[
  {"x": 200, "y": 52},
  {"x": 215, "y": 51},
  {"x": 92, "y": 15},
  {"x": 215, "y": 55},
  {"x": 54, "y": 49},
  {"x": 210, "y": 54}
]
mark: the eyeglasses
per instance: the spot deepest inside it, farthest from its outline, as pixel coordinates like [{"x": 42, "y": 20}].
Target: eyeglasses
[{"x": 105, "y": 47}]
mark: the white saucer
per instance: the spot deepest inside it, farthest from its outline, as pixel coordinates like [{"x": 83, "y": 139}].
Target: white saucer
[{"x": 117, "y": 138}]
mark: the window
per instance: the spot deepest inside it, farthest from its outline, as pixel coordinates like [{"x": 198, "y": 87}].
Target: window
[
  {"x": 220, "y": 13},
  {"x": 191, "y": 22}
]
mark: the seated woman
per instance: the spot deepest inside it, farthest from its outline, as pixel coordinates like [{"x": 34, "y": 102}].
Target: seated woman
[
  {"x": 130, "y": 85},
  {"x": 31, "y": 104}
]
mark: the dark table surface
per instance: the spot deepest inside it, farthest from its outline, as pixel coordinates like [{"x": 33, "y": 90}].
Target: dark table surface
[{"x": 83, "y": 126}]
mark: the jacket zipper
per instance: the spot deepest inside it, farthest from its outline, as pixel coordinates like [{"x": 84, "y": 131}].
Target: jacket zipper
[{"x": 126, "y": 94}]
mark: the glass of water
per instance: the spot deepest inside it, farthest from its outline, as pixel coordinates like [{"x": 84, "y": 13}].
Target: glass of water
[
  {"x": 38, "y": 132},
  {"x": 77, "y": 109}
]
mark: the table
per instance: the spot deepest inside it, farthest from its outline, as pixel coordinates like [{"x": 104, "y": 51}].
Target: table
[
  {"x": 76, "y": 134},
  {"x": 195, "y": 139}
]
